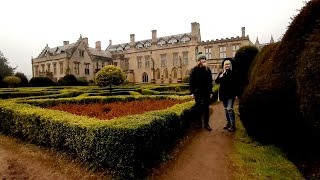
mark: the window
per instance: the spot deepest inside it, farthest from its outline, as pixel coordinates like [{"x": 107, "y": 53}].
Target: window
[
  {"x": 126, "y": 64},
  {"x": 163, "y": 60},
  {"x": 139, "y": 61},
  {"x": 158, "y": 74},
  {"x": 234, "y": 49},
  {"x": 145, "y": 77},
  {"x": 175, "y": 59},
  {"x": 54, "y": 68},
  {"x": 208, "y": 52},
  {"x": 61, "y": 67},
  {"x": 127, "y": 47},
  {"x": 172, "y": 40},
  {"x": 223, "y": 52},
  {"x": 214, "y": 71},
  {"x": 119, "y": 48},
  {"x": 185, "y": 39},
  {"x": 49, "y": 67},
  {"x": 76, "y": 68},
  {"x": 86, "y": 70},
  {"x": 36, "y": 70},
  {"x": 185, "y": 57},
  {"x": 42, "y": 68},
  {"x": 102, "y": 64},
  {"x": 115, "y": 63},
  {"x": 175, "y": 73},
  {"x": 165, "y": 72},
  {"x": 138, "y": 46},
  {"x": 81, "y": 53},
  {"x": 97, "y": 66},
  {"x": 161, "y": 42},
  {"x": 147, "y": 44},
  {"x": 147, "y": 62}
]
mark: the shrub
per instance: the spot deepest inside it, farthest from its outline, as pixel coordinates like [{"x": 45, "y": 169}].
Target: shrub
[
  {"x": 82, "y": 81},
  {"x": 24, "y": 80},
  {"x": 62, "y": 82},
  {"x": 41, "y": 82},
  {"x": 12, "y": 81},
  {"x": 243, "y": 59},
  {"x": 2, "y": 84},
  {"x": 70, "y": 80},
  {"x": 282, "y": 97},
  {"x": 109, "y": 75},
  {"x": 186, "y": 79}
]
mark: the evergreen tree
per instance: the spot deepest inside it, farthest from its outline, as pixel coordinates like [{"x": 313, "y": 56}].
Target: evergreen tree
[{"x": 5, "y": 69}]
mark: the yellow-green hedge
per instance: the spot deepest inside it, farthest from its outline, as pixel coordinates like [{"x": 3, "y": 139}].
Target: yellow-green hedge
[{"x": 127, "y": 146}]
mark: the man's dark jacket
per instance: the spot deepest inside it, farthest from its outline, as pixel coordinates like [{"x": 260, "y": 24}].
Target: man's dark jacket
[{"x": 200, "y": 82}]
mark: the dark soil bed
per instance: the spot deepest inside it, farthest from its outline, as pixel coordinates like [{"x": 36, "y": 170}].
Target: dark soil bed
[{"x": 116, "y": 109}]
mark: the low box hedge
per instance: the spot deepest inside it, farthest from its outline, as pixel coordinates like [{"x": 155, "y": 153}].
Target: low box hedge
[{"x": 127, "y": 146}]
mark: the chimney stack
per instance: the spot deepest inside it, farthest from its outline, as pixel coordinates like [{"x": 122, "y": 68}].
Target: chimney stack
[
  {"x": 85, "y": 40},
  {"x": 98, "y": 45},
  {"x": 154, "y": 37},
  {"x": 132, "y": 41},
  {"x": 65, "y": 43},
  {"x": 110, "y": 42},
  {"x": 243, "y": 32},
  {"x": 195, "y": 32}
]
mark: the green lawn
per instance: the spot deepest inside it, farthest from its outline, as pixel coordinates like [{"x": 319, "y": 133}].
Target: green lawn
[{"x": 253, "y": 160}]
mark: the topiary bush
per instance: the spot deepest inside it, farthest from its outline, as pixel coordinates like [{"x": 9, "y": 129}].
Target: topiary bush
[
  {"x": 186, "y": 79},
  {"x": 41, "y": 82},
  {"x": 108, "y": 76},
  {"x": 82, "y": 81},
  {"x": 24, "y": 80},
  {"x": 12, "y": 81},
  {"x": 308, "y": 79},
  {"x": 281, "y": 102},
  {"x": 242, "y": 60},
  {"x": 70, "y": 80}
]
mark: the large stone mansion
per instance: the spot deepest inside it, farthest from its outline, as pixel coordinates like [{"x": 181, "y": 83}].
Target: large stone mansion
[{"x": 157, "y": 60}]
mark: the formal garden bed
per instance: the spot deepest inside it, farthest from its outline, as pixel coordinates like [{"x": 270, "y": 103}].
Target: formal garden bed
[
  {"x": 128, "y": 146},
  {"x": 107, "y": 111}
]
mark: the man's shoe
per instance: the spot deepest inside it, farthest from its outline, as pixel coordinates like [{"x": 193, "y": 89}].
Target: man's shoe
[
  {"x": 207, "y": 127},
  {"x": 227, "y": 126},
  {"x": 232, "y": 129}
]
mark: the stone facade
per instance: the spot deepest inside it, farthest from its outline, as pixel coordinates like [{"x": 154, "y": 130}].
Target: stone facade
[
  {"x": 77, "y": 58},
  {"x": 169, "y": 59},
  {"x": 157, "y": 60}
]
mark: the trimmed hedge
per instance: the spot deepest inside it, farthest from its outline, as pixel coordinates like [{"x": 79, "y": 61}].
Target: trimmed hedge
[
  {"x": 281, "y": 103},
  {"x": 127, "y": 146},
  {"x": 8, "y": 95}
]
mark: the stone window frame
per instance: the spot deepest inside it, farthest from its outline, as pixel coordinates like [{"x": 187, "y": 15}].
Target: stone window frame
[
  {"x": 208, "y": 52},
  {"x": 223, "y": 51},
  {"x": 175, "y": 59},
  {"x": 163, "y": 59}
]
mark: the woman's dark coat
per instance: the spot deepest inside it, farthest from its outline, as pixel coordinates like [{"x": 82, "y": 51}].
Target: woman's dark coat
[{"x": 228, "y": 85}]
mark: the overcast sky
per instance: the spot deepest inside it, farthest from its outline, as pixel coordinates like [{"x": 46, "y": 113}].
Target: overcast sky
[{"x": 27, "y": 26}]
